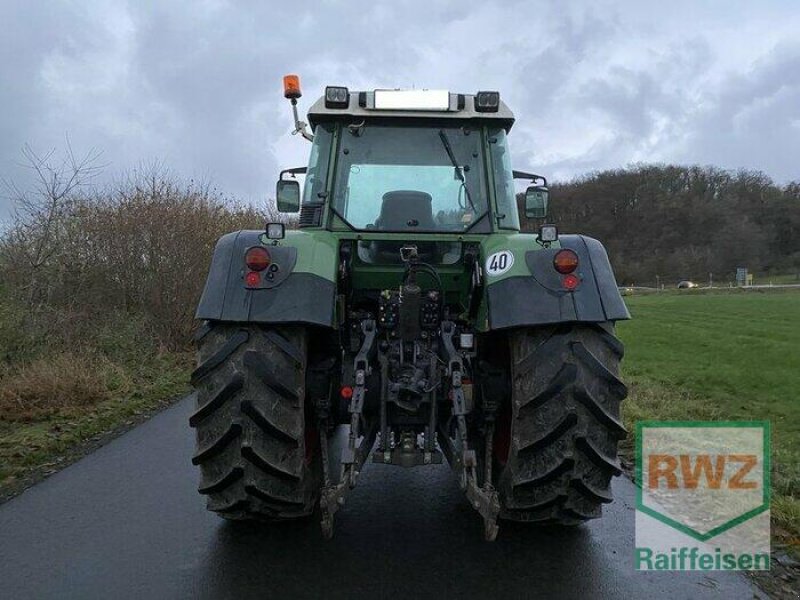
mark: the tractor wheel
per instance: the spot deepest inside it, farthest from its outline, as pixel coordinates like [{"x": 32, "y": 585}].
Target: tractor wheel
[
  {"x": 257, "y": 448},
  {"x": 558, "y": 454}
]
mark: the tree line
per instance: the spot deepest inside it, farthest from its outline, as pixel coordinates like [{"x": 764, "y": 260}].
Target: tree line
[{"x": 664, "y": 223}]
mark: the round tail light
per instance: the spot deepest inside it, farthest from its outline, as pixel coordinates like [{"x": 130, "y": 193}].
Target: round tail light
[
  {"x": 565, "y": 261},
  {"x": 257, "y": 258},
  {"x": 252, "y": 279},
  {"x": 570, "y": 282}
]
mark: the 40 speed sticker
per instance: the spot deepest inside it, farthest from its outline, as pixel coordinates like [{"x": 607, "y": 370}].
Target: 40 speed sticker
[{"x": 499, "y": 262}]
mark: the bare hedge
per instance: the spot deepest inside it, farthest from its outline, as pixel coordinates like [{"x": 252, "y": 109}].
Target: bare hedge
[{"x": 140, "y": 249}]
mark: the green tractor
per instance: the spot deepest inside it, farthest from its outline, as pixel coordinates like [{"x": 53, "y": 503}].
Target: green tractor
[{"x": 409, "y": 307}]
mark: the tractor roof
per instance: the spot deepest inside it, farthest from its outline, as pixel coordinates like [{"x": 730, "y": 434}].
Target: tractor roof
[{"x": 408, "y": 104}]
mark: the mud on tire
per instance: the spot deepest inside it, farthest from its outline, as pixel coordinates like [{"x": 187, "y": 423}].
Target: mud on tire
[
  {"x": 257, "y": 454},
  {"x": 565, "y": 423}
]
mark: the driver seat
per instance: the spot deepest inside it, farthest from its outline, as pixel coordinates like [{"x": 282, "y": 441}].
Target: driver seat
[{"x": 405, "y": 209}]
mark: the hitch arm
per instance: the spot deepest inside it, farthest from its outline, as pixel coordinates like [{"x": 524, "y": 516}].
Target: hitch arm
[
  {"x": 332, "y": 497},
  {"x": 461, "y": 458}
]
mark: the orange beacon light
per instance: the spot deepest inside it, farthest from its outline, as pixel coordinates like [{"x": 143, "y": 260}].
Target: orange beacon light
[{"x": 291, "y": 87}]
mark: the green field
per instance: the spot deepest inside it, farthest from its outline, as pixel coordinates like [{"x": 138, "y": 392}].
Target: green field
[{"x": 725, "y": 355}]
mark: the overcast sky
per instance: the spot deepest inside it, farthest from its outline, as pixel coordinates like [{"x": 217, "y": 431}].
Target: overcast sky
[{"x": 197, "y": 84}]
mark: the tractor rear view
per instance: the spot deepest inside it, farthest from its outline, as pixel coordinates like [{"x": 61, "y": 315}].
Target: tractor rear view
[{"x": 409, "y": 308}]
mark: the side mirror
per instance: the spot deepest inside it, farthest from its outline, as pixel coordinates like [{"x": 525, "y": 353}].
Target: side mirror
[
  {"x": 536, "y": 197},
  {"x": 287, "y": 196}
]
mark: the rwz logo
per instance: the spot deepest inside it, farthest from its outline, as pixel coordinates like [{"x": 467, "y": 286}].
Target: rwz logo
[
  {"x": 702, "y": 478},
  {"x": 687, "y": 471}
]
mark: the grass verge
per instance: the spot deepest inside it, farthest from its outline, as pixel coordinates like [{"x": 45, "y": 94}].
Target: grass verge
[
  {"x": 42, "y": 438},
  {"x": 728, "y": 355}
]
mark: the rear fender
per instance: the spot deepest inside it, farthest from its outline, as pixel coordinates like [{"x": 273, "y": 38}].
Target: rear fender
[
  {"x": 532, "y": 292},
  {"x": 302, "y": 289}
]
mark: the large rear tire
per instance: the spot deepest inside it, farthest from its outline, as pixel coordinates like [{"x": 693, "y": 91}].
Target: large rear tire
[
  {"x": 256, "y": 445},
  {"x": 564, "y": 413}
]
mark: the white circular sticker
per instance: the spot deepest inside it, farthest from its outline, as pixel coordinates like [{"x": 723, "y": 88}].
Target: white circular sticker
[{"x": 499, "y": 262}]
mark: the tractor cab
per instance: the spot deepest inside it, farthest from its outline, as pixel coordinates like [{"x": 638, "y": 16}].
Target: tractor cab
[
  {"x": 428, "y": 171},
  {"x": 408, "y": 162}
]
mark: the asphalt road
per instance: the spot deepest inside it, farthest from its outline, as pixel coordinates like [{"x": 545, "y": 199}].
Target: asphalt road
[{"x": 126, "y": 522}]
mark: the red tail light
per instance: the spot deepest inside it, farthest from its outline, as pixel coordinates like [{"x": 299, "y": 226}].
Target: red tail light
[
  {"x": 565, "y": 261},
  {"x": 570, "y": 282},
  {"x": 252, "y": 279},
  {"x": 257, "y": 258}
]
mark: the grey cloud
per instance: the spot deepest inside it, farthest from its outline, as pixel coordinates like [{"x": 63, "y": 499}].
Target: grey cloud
[
  {"x": 197, "y": 84},
  {"x": 753, "y": 119}
]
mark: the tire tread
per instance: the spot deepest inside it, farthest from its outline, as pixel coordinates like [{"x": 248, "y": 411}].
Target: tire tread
[
  {"x": 566, "y": 424},
  {"x": 250, "y": 422}
]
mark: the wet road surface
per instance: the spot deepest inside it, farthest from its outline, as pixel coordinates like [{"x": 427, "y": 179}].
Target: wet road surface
[{"x": 126, "y": 522}]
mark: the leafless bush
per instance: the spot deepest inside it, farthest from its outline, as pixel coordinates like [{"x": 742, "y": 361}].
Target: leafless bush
[
  {"x": 139, "y": 248},
  {"x": 40, "y": 212}
]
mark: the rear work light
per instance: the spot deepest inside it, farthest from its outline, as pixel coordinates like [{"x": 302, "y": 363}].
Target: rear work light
[
  {"x": 565, "y": 261},
  {"x": 548, "y": 233},
  {"x": 336, "y": 97},
  {"x": 487, "y": 101},
  {"x": 275, "y": 231},
  {"x": 257, "y": 258}
]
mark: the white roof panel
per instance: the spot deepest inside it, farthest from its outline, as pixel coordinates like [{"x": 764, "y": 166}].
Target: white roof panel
[{"x": 412, "y": 99}]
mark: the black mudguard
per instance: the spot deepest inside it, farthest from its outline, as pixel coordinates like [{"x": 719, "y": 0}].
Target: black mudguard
[
  {"x": 289, "y": 297},
  {"x": 541, "y": 298}
]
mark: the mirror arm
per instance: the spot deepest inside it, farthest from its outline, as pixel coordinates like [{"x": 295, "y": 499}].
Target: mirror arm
[
  {"x": 533, "y": 177},
  {"x": 293, "y": 171}
]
